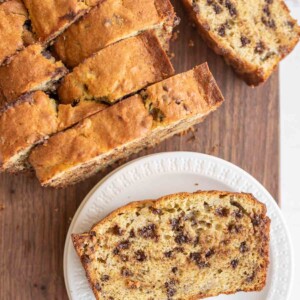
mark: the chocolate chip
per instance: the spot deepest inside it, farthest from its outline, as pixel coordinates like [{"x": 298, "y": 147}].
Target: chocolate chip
[
  {"x": 269, "y": 22},
  {"x": 196, "y": 8},
  {"x": 46, "y": 54},
  {"x": 168, "y": 254},
  {"x": 231, "y": 8},
  {"x": 155, "y": 211},
  {"x": 149, "y": 232},
  {"x": 221, "y": 30},
  {"x": 222, "y": 211},
  {"x": 182, "y": 238},
  {"x": 238, "y": 214},
  {"x": 234, "y": 263},
  {"x": 140, "y": 255},
  {"x": 28, "y": 25},
  {"x": 217, "y": 8},
  {"x": 97, "y": 286},
  {"x": 104, "y": 278},
  {"x": 250, "y": 278},
  {"x": 209, "y": 253},
  {"x": 131, "y": 233},
  {"x": 166, "y": 88},
  {"x": 85, "y": 259},
  {"x": 124, "y": 245},
  {"x": 157, "y": 114},
  {"x": 179, "y": 249},
  {"x": 170, "y": 286},
  {"x": 210, "y": 2},
  {"x": 245, "y": 41},
  {"x": 196, "y": 241},
  {"x": 256, "y": 220},
  {"x": 116, "y": 251},
  {"x": 75, "y": 102},
  {"x": 175, "y": 224},
  {"x": 260, "y": 48},
  {"x": 243, "y": 247},
  {"x": 195, "y": 256},
  {"x": 269, "y": 1},
  {"x": 266, "y": 10},
  {"x": 116, "y": 230},
  {"x": 124, "y": 258},
  {"x": 290, "y": 24},
  {"x": 174, "y": 270},
  {"x": 126, "y": 272},
  {"x": 234, "y": 228}
]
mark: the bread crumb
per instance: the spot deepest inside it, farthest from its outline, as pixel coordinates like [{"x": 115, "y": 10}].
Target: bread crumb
[
  {"x": 2, "y": 207},
  {"x": 191, "y": 43},
  {"x": 171, "y": 55},
  {"x": 175, "y": 35}
]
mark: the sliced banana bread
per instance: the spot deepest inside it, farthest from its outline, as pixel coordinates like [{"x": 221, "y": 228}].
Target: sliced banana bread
[
  {"x": 252, "y": 35},
  {"x": 51, "y": 17},
  {"x": 163, "y": 109},
  {"x": 24, "y": 124},
  {"x": 117, "y": 70},
  {"x": 30, "y": 70},
  {"x": 14, "y": 29},
  {"x": 112, "y": 21},
  {"x": 182, "y": 246}
]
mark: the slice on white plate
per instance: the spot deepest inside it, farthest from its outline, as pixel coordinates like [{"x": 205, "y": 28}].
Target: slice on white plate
[{"x": 166, "y": 173}]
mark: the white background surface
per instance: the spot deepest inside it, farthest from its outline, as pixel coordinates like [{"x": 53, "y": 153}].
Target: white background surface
[{"x": 290, "y": 147}]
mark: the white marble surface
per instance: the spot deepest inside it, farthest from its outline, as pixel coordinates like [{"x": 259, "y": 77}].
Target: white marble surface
[{"x": 290, "y": 148}]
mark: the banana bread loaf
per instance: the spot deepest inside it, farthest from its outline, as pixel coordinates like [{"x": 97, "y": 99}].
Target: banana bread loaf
[
  {"x": 14, "y": 29},
  {"x": 30, "y": 70},
  {"x": 182, "y": 246},
  {"x": 112, "y": 21},
  {"x": 163, "y": 109},
  {"x": 22, "y": 125},
  {"x": 117, "y": 70},
  {"x": 51, "y": 17},
  {"x": 253, "y": 36}
]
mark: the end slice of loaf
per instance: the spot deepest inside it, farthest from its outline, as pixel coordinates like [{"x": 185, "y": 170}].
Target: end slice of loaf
[
  {"x": 182, "y": 246},
  {"x": 163, "y": 109},
  {"x": 30, "y": 70},
  {"x": 14, "y": 33},
  {"x": 23, "y": 125},
  {"x": 252, "y": 36},
  {"x": 118, "y": 70},
  {"x": 112, "y": 21},
  {"x": 50, "y": 18}
]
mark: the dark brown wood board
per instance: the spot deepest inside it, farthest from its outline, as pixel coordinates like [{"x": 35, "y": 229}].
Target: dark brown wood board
[{"x": 34, "y": 221}]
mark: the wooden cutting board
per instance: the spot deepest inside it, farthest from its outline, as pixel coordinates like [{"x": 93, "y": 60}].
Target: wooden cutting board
[{"x": 34, "y": 221}]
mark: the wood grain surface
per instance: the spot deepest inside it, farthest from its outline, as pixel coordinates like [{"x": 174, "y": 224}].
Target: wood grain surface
[{"x": 34, "y": 221}]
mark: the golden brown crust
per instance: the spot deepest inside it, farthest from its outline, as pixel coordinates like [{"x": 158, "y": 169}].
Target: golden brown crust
[
  {"x": 49, "y": 18},
  {"x": 117, "y": 70},
  {"x": 22, "y": 125},
  {"x": 13, "y": 33},
  {"x": 252, "y": 73},
  {"x": 110, "y": 22},
  {"x": 29, "y": 70},
  {"x": 110, "y": 131},
  {"x": 85, "y": 243},
  {"x": 69, "y": 115}
]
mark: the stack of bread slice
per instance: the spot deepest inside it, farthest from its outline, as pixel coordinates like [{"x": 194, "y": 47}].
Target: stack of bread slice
[{"x": 114, "y": 52}]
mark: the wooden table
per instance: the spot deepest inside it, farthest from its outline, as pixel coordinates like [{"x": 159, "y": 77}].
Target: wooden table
[{"x": 34, "y": 221}]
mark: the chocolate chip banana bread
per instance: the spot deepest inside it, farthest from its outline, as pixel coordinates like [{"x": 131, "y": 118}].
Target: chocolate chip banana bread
[
  {"x": 182, "y": 246},
  {"x": 112, "y": 21},
  {"x": 51, "y": 17},
  {"x": 116, "y": 71},
  {"x": 253, "y": 36},
  {"x": 22, "y": 125},
  {"x": 14, "y": 29},
  {"x": 162, "y": 110},
  {"x": 30, "y": 70}
]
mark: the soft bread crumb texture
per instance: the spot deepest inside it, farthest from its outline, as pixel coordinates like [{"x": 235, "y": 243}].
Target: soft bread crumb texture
[
  {"x": 118, "y": 70},
  {"x": 30, "y": 70},
  {"x": 29, "y": 121},
  {"x": 253, "y": 36},
  {"x": 110, "y": 22},
  {"x": 51, "y": 17},
  {"x": 160, "y": 111},
  {"x": 14, "y": 32},
  {"x": 182, "y": 246}
]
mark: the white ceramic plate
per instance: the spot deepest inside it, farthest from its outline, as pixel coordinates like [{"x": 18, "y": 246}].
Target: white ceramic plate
[{"x": 165, "y": 173}]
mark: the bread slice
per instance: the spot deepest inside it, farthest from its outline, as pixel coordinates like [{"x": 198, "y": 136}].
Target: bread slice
[
  {"x": 26, "y": 123},
  {"x": 112, "y": 21},
  {"x": 163, "y": 109},
  {"x": 49, "y": 17},
  {"x": 182, "y": 246},
  {"x": 253, "y": 36},
  {"x": 14, "y": 32},
  {"x": 30, "y": 70},
  {"x": 118, "y": 70}
]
